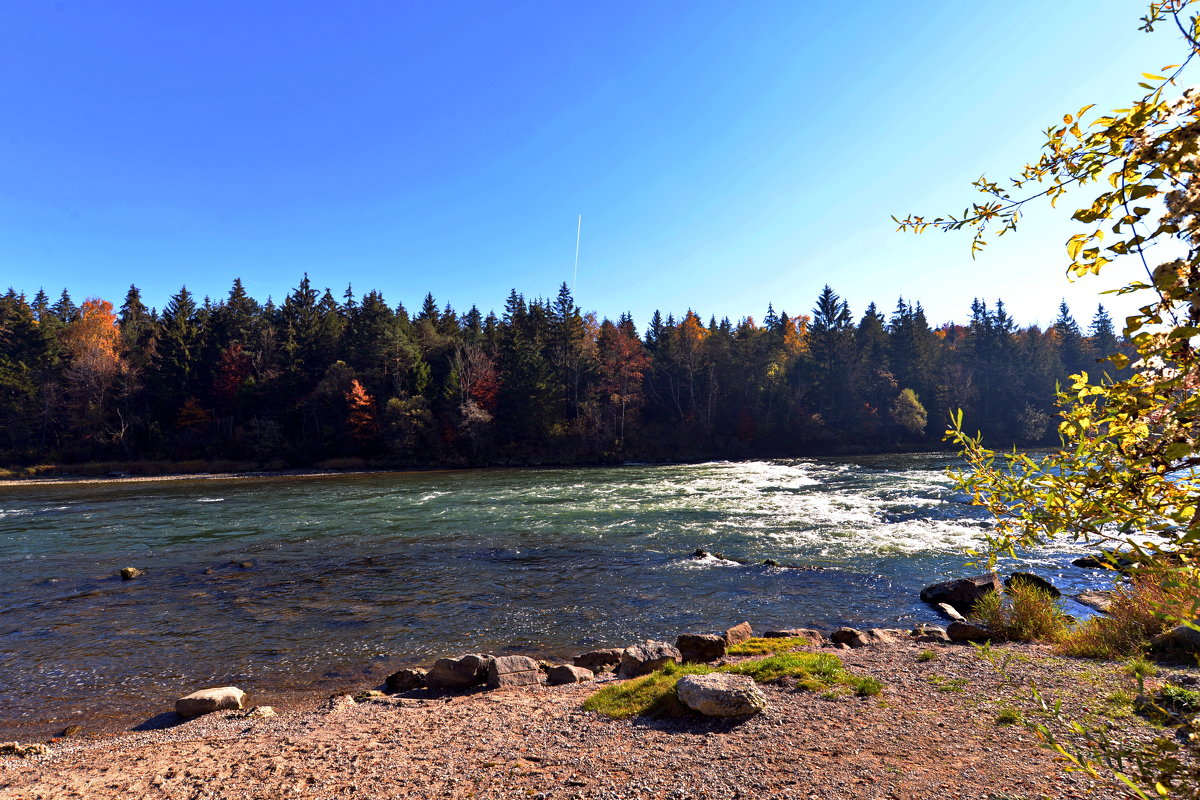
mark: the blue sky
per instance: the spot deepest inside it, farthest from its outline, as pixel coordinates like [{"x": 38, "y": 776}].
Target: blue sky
[{"x": 723, "y": 155}]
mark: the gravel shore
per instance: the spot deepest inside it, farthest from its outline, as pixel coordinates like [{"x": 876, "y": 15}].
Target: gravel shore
[{"x": 932, "y": 733}]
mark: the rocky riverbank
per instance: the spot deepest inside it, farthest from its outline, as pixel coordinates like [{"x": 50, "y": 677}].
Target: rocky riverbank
[{"x": 935, "y": 731}]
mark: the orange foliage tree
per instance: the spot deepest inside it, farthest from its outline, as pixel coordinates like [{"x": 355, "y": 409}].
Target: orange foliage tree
[
  {"x": 361, "y": 419},
  {"x": 93, "y": 341}
]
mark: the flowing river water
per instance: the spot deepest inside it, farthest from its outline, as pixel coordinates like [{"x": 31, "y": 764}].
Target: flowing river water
[{"x": 285, "y": 584}]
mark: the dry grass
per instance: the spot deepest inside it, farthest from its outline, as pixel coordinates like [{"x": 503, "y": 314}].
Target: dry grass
[
  {"x": 1136, "y": 616},
  {"x": 1024, "y": 613}
]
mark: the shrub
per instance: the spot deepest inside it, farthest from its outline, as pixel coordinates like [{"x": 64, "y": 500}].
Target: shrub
[
  {"x": 1135, "y": 616},
  {"x": 1024, "y": 613}
]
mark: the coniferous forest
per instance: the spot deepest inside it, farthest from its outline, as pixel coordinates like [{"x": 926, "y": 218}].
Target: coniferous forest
[{"x": 316, "y": 380}]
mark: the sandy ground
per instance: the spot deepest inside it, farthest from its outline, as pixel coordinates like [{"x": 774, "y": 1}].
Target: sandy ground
[{"x": 931, "y": 734}]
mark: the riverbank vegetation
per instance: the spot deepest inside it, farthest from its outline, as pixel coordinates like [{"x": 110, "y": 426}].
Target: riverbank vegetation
[{"x": 357, "y": 382}]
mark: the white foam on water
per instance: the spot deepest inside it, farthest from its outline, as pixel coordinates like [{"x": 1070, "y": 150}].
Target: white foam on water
[{"x": 210, "y": 499}]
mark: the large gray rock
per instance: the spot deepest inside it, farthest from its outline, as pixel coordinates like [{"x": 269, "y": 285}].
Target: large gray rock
[
  {"x": 206, "y": 701},
  {"x": 720, "y": 694},
  {"x": 1181, "y": 638},
  {"x": 1032, "y": 580},
  {"x": 739, "y": 633},
  {"x": 696, "y": 648},
  {"x": 506, "y": 672},
  {"x": 600, "y": 660},
  {"x": 644, "y": 658},
  {"x": 458, "y": 673},
  {"x": 405, "y": 680},
  {"x": 961, "y": 593},
  {"x": 568, "y": 673},
  {"x": 967, "y": 632}
]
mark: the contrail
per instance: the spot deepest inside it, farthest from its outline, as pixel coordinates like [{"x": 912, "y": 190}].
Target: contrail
[{"x": 578, "y": 230}]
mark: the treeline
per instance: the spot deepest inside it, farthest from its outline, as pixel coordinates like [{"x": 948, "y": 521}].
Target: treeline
[{"x": 317, "y": 378}]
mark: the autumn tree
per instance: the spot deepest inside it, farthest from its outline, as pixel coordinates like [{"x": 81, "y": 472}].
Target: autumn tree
[
  {"x": 1126, "y": 476},
  {"x": 94, "y": 343},
  {"x": 360, "y": 419}
]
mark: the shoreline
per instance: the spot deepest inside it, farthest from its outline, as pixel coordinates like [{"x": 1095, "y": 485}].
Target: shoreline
[{"x": 932, "y": 732}]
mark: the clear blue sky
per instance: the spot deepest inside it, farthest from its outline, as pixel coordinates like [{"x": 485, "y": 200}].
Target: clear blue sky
[{"x": 723, "y": 155}]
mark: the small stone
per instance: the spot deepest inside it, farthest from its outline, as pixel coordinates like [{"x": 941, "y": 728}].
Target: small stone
[
  {"x": 507, "y": 672},
  {"x": 367, "y": 694},
  {"x": 405, "y": 680},
  {"x": 924, "y": 632},
  {"x": 206, "y": 701},
  {"x": 719, "y": 694},
  {"x": 337, "y": 704},
  {"x": 71, "y": 731},
  {"x": 600, "y": 660},
  {"x": 246, "y": 565},
  {"x": 698, "y": 648},
  {"x": 261, "y": 712},
  {"x": 568, "y": 673},
  {"x": 739, "y": 633},
  {"x": 950, "y": 612},
  {"x": 129, "y": 573}
]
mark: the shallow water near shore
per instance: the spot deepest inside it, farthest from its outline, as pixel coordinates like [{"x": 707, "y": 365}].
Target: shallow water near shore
[{"x": 285, "y": 584}]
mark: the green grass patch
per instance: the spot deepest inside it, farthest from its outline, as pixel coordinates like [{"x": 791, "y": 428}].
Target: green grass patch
[
  {"x": 948, "y": 684},
  {"x": 761, "y": 647},
  {"x": 654, "y": 695},
  {"x": 1009, "y": 716},
  {"x": 927, "y": 655}
]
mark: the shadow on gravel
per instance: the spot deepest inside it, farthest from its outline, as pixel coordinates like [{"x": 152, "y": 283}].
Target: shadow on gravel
[
  {"x": 692, "y": 724},
  {"x": 167, "y": 719}
]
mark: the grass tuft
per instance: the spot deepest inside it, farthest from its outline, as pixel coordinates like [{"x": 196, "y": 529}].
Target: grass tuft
[
  {"x": 761, "y": 647},
  {"x": 1009, "y": 716},
  {"x": 1024, "y": 613},
  {"x": 927, "y": 655},
  {"x": 1138, "y": 613}
]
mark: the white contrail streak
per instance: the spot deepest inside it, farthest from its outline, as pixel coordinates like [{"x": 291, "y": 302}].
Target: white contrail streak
[{"x": 578, "y": 230}]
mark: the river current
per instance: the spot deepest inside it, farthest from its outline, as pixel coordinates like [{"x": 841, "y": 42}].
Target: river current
[{"x": 279, "y": 584}]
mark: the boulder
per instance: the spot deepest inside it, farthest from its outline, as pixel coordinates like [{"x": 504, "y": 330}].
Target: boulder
[
  {"x": 405, "y": 680},
  {"x": 506, "y": 672},
  {"x": 458, "y": 673},
  {"x": 1101, "y": 599},
  {"x": 1033, "y": 580},
  {"x": 961, "y": 593},
  {"x": 856, "y": 638},
  {"x": 600, "y": 660},
  {"x": 811, "y": 634},
  {"x": 720, "y": 694},
  {"x": 739, "y": 633},
  {"x": 644, "y": 658},
  {"x": 698, "y": 648},
  {"x": 206, "y": 701},
  {"x": 129, "y": 573},
  {"x": 568, "y": 673},
  {"x": 1180, "y": 638},
  {"x": 967, "y": 632}
]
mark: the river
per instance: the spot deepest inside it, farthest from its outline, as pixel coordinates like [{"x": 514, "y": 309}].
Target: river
[{"x": 280, "y": 584}]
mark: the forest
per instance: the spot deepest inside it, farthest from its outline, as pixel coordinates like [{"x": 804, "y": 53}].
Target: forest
[{"x": 316, "y": 380}]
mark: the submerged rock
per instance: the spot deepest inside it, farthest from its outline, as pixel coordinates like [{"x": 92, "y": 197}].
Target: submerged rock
[
  {"x": 206, "y": 701},
  {"x": 700, "y": 647},
  {"x": 961, "y": 593},
  {"x": 129, "y": 573},
  {"x": 719, "y": 694}
]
